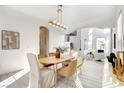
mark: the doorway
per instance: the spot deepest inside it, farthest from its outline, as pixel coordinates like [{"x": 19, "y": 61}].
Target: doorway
[
  {"x": 43, "y": 41},
  {"x": 100, "y": 43}
]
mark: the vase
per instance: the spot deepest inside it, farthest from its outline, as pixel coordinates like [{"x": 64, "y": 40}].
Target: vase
[{"x": 57, "y": 53}]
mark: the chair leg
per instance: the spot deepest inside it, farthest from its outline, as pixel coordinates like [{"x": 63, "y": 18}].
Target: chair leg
[
  {"x": 76, "y": 72},
  {"x": 81, "y": 69},
  {"x": 67, "y": 82},
  {"x": 75, "y": 76},
  {"x": 52, "y": 80}
]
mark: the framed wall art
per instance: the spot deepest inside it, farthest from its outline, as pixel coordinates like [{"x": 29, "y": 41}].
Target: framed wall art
[{"x": 10, "y": 39}]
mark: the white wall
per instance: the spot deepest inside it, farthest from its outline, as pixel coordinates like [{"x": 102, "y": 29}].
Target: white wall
[
  {"x": 84, "y": 35},
  {"x": 96, "y": 33},
  {"x": 119, "y": 28},
  {"x": 28, "y": 28},
  {"x": 108, "y": 38},
  {"x": 56, "y": 39},
  {"x": 76, "y": 41},
  {"x": 119, "y": 33}
]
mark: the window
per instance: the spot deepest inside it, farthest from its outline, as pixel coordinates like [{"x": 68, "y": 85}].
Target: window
[{"x": 100, "y": 43}]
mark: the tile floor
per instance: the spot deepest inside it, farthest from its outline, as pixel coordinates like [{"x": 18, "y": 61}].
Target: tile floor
[{"x": 93, "y": 74}]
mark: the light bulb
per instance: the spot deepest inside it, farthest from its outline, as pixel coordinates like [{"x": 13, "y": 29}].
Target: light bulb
[
  {"x": 58, "y": 23},
  {"x": 62, "y": 25},
  {"x": 54, "y": 21},
  {"x": 50, "y": 23}
]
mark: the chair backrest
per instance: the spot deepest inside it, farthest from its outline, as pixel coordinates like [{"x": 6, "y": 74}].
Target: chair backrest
[
  {"x": 34, "y": 66},
  {"x": 69, "y": 70},
  {"x": 80, "y": 61},
  {"x": 52, "y": 54},
  {"x": 72, "y": 67}
]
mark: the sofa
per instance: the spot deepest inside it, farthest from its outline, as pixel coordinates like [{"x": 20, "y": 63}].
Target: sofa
[{"x": 98, "y": 55}]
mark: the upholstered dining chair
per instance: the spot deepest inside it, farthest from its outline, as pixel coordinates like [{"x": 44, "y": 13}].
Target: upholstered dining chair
[
  {"x": 68, "y": 70},
  {"x": 39, "y": 77}
]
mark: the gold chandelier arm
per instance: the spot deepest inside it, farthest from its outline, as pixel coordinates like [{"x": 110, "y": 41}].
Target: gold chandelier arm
[
  {"x": 60, "y": 13},
  {"x": 58, "y": 23}
]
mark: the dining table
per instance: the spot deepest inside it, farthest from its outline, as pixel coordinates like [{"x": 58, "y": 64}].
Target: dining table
[{"x": 52, "y": 60}]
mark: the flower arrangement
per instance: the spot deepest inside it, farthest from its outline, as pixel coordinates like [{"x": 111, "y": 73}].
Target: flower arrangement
[
  {"x": 62, "y": 49},
  {"x": 90, "y": 54}
]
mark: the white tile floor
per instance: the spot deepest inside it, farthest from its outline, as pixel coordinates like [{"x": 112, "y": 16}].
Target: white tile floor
[
  {"x": 109, "y": 79},
  {"x": 93, "y": 74}
]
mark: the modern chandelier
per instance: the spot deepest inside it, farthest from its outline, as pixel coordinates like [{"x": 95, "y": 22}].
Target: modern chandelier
[{"x": 58, "y": 23}]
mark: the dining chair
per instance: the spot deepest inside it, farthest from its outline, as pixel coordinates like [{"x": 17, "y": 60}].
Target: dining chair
[
  {"x": 44, "y": 65},
  {"x": 52, "y": 54},
  {"x": 39, "y": 77},
  {"x": 68, "y": 70}
]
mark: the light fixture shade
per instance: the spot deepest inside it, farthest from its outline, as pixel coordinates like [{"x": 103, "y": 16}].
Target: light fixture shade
[{"x": 58, "y": 24}]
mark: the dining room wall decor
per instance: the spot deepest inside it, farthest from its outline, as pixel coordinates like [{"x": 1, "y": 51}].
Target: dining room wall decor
[{"x": 10, "y": 40}]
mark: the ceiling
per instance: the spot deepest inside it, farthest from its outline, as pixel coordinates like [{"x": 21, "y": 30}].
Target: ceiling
[{"x": 74, "y": 16}]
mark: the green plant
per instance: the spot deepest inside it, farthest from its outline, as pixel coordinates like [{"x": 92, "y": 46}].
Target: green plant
[{"x": 62, "y": 49}]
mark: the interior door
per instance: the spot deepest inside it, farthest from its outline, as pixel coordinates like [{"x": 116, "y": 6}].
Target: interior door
[{"x": 44, "y": 41}]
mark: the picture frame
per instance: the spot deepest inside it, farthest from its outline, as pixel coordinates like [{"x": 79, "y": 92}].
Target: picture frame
[{"x": 10, "y": 40}]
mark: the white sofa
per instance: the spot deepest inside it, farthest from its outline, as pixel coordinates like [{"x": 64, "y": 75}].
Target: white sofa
[{"x": 98, "y": 55}]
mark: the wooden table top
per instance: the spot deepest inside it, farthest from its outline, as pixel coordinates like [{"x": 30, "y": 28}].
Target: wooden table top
[{"x": 53, "y": 60}]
